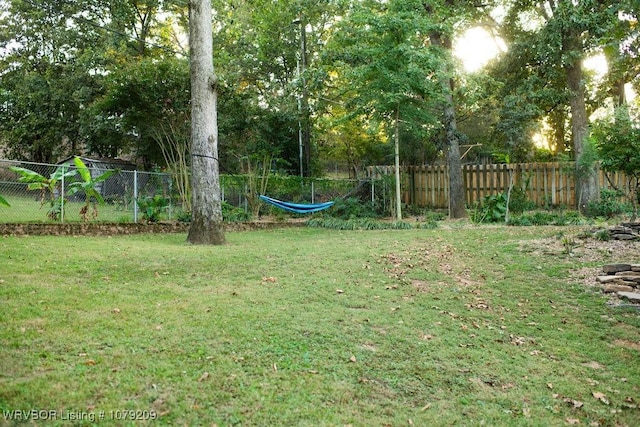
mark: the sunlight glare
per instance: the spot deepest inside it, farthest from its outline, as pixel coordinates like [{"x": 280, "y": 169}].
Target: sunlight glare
[{"x": 476, "y": 47}]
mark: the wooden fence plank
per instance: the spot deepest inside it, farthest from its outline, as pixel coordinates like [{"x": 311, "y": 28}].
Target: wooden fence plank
[{"x": 544, "y": 183}]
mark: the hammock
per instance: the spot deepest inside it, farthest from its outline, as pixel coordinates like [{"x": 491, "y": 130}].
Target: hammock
[{"x": 298, "y": 207}]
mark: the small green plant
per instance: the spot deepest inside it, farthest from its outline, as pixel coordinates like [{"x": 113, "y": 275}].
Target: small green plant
[
  {"x": 493, "y": 208},
  {"x": 88, "y": 186},
  {"x": 602, "y": 235},
  {"x": 184, "y": 216},
  {"x": 153, "y": 207},
  {"x": 4, "y": 202},
  {"x": 49, "y": 187},
  {"x": 231, "y": 213},
  {"x": 568, "y": 243}
]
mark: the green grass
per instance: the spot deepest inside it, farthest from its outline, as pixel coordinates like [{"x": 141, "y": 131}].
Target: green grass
[
  {"x": 28, "y": 209},
  {"x": 315, "y": 327}
]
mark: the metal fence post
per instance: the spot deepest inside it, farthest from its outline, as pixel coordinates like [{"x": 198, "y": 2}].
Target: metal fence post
[
  {"x": 246, "y": 204},
  {"x": 135, "y": 196},
  {"x": 313, "y": 192},
  {"x": 61, "y": 197},
  {"x": 373, "y": 192},
  {"x": 170, "y": 198}
]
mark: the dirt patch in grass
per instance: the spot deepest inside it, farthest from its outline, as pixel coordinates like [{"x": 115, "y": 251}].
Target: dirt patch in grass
[{"x": 628, "y": 344}]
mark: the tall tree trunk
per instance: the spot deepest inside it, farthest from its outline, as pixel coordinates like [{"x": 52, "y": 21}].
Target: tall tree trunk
[
  {"x": 586, "y": 178},
  {"x": 206, "y": 215},
  {"x": 456, "y": 179},
  {"x": 557, "y": 122},
  {"x": 396, "y": 151}
]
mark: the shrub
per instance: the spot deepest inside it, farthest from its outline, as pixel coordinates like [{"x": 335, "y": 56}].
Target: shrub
[
  {"x": 547, "y": 218},
  {"x": 152, "y": 207},
  {"x": 231, "y": 213},
  {"x": 351, "y": 208},
  {"x": 609, "y": 204},
  {"x": 358, "y": 224},
  {"x": 493, "y": 208}
]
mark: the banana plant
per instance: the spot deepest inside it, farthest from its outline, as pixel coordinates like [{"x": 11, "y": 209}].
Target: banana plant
[
  {"x": 48, "y": 186},
  {"x": 88, "y": 186}
]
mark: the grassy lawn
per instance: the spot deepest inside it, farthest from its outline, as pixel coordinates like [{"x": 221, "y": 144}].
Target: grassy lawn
[
  {"x": 452, "y": 326},
  {"x": 29, "y": 209}
]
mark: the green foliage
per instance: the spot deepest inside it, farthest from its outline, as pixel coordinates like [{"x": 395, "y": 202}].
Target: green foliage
[
  {"x": 3, "y": 201},
  {"x": 361, "y": 224},
  {"x": 48, "y": 187},
  {"x": 618, "y": 145},
  {"x": 152, "y": 207},
  {"x": 617, "y": 141},
  {"x": 231, "y": 213},
  {"x": 519, "y": 201},
  {"x": 547, "y": 218},
  {"x": 351, "y": 208},
  {"x": 492, "y": 208},
  {"x": 376, "y": 60},
  {"x": 609, "y": 204},
  {"x": 87, "y": 185},
  {"x": 586, "y": 163}
]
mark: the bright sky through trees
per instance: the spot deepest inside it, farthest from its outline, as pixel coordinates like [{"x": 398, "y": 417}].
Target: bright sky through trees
[{"x": 476, "y": 47}]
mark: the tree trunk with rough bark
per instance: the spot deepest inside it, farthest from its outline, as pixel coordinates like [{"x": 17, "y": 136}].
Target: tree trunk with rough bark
[
  {"x": 396, "y": 152},
  {"x": 587, "y": 189},
  {"x": 456, "y": 179},
  {"x": 457, "y": 207},
  {"x": 206, "y": 215}
]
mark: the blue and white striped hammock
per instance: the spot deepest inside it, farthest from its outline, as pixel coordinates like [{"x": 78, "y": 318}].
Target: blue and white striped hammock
[{"x": 301, "y": 208}]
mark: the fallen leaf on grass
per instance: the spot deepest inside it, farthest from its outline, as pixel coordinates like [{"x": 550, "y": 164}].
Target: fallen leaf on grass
[
  {"x": 115, "y": 310},
  {"x": 269, "y": 279},
  {"x": 601, "y": 397},
  {"x": 203, "y": 377},
  {"x": 572, "y": 421},
  {"x": 90, "y": 362},
  {"x": 353, "y": 359},
  {"x": 339, "y": 291},
  {"x": 575, "y": 403}
]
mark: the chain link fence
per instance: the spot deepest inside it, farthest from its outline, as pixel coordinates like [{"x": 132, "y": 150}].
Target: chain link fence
[{"x": 136, "y": 196}]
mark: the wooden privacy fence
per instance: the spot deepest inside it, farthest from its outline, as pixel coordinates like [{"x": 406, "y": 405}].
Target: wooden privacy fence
[{"x": 545, "y": 184}]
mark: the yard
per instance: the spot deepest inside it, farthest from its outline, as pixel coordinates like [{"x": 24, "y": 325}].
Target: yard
[{"x": 458, "y": 325}]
